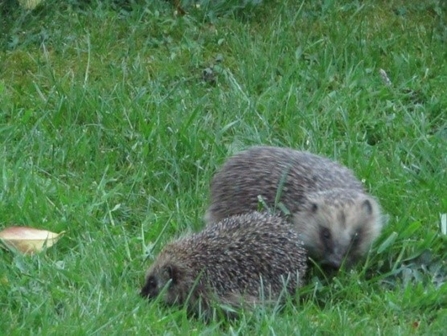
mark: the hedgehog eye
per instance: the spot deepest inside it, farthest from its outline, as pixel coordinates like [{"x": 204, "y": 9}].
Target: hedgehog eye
[
  {"x": 325, "y": 233},
  {"x": 151, "y": 282},
  {"x": 355, "y": 238}
]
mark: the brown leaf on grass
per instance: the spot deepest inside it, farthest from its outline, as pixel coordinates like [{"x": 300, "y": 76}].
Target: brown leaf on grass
[{"x": 28, "y": 240}]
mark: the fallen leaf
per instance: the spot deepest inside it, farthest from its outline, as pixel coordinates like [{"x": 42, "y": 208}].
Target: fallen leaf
[{"x": 28, "y": 240}]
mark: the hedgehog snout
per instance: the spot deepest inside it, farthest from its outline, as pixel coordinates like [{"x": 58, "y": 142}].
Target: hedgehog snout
[
  {"x": 333, "y": 260},
  {"x": 149, "y": 289},
  {"x": 337, "y": 257}
]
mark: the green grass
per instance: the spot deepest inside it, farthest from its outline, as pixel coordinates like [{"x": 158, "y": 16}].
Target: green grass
[{"x": 109, "y": 131}]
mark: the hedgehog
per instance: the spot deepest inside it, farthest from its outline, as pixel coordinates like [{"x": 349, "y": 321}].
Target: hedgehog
[
  {"x": 328, "y": 206},
  {"x": 239, "y": 262}
]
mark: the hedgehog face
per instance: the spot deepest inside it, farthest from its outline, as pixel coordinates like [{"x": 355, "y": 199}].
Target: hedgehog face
[
  {"x": 151, "y": 287},
  {"x": 162, "y": 279},
  {"x": 156, "y": 280},
  {"x": 338, "y": 248},
  {"x": 338, "y": 233}
]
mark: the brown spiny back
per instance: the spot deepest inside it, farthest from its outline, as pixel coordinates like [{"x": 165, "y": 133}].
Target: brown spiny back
[
  {"x": 237, "y": 261},
  {"x": 261, "y": 170}
]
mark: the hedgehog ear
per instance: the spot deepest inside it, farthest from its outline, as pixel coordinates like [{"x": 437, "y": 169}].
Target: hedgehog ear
[
  {"x": 171, "y": 272},
  {"x": 367, "y": 207}
]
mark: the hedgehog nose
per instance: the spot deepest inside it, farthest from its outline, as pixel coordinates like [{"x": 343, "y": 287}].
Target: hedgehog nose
[
  {"x": 148, "y": 293},
  {"x": 335, "y": 260},
  {"x": 145, "y": 293}
]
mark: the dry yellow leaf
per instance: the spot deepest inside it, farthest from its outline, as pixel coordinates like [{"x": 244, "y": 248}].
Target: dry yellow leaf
[{"x": 28, "y": 240}]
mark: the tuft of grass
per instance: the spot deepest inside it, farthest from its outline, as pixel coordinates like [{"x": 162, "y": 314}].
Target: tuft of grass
[{"x": 115, "y": 115}]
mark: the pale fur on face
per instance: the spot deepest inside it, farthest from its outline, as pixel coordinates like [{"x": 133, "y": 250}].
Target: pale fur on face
[{"x": 338, "y": 226}]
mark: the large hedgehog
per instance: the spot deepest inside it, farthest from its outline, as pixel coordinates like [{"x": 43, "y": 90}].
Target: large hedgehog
[
  {"x": 240, "y": 261},
  {"x": 334, "y": 216}
]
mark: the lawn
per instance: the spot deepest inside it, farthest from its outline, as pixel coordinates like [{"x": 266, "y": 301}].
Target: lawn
[{"x": 115, "y": 116}]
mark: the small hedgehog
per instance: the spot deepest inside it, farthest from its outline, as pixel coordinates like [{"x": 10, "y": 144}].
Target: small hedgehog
[
  {"x": 240, "y": 261},
  {"x": 336, "y": 219}
]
